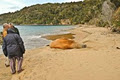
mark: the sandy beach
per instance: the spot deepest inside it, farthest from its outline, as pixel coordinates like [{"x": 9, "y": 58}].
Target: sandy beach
[{"x": 99, "y": 61}]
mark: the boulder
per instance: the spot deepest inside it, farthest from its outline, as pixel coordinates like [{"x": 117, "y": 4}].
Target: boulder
[{"x": 64, "y": 43}]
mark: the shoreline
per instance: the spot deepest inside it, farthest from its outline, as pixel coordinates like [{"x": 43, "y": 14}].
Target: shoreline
[
  {"x": 53, "y": 37},
  {"x": 39, "y": 25},
  {"x": 67, "y": 34},
  {"x": 49, "y": 37},
  {"x": 99, "y": 61},
  {"x": 63, "y": 33}
]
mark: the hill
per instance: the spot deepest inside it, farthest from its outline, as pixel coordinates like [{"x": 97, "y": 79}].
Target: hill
[{"x": 88, "y": 11}]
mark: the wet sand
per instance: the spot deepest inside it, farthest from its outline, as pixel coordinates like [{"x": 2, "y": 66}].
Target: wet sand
[{"x": 54, "y": 37}]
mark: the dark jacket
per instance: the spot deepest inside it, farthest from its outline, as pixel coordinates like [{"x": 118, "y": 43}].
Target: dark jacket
[
  {"x": 16, "y": 30},
  {"x": 13, "y": 45}
]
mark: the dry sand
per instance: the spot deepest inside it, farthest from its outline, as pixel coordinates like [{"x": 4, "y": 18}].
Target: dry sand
[{"x": 100, "y": 61}]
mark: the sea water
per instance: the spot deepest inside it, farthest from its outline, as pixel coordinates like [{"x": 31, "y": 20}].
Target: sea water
[{"x": 31, "y": 35}]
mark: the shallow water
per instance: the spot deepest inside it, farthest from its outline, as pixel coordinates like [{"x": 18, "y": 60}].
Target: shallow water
[{"x": 31, "y": 35}]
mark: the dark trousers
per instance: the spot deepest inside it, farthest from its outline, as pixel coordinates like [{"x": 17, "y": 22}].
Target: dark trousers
[{"x": 13, "y": 64}]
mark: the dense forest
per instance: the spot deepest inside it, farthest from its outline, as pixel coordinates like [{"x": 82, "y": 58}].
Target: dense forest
[{"x": 98, "y": 12}]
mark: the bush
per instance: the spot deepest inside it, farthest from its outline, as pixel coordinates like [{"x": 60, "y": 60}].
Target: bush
[{"x": 116, "y": 18}]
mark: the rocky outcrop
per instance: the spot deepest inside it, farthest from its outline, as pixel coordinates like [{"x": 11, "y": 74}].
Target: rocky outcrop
[{"x": 108, "y": 9}]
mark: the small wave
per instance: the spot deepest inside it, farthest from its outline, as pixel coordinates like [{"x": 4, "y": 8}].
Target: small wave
[{"x": 34, "y": 37}]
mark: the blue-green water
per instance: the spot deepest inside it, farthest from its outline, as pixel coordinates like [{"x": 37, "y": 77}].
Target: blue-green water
[{"x": 31, "y": 35}]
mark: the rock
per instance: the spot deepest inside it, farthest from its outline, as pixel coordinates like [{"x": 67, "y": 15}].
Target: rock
[
  {"x": 108, "y": 9},
  {"x": 64, "y": 43},
  {"x": 113, "y": 29},
  {"x": 117, "y": 47}
]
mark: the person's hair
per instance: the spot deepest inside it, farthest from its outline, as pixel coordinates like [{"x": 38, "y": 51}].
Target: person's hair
[
  {"x": 4, "y": 25},
  {"x": 11, "y": 24},
  {"x": 1, "y": 33}
]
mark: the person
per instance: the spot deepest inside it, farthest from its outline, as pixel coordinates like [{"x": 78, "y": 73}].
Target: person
[
  {"x": 5, "y": 28},
  {"x": 11, "y": 25},
  {"x": 13, "y": 47},
  {"x": 4, "y": 34}
]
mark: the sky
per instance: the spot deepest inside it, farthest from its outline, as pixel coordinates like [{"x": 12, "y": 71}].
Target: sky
[{"x": 14, "y": 5}]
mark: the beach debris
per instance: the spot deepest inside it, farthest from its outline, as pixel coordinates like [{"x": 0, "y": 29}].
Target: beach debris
[
  {"x": 117, "y": 47},
  {"x": 64, "y": 43}
]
